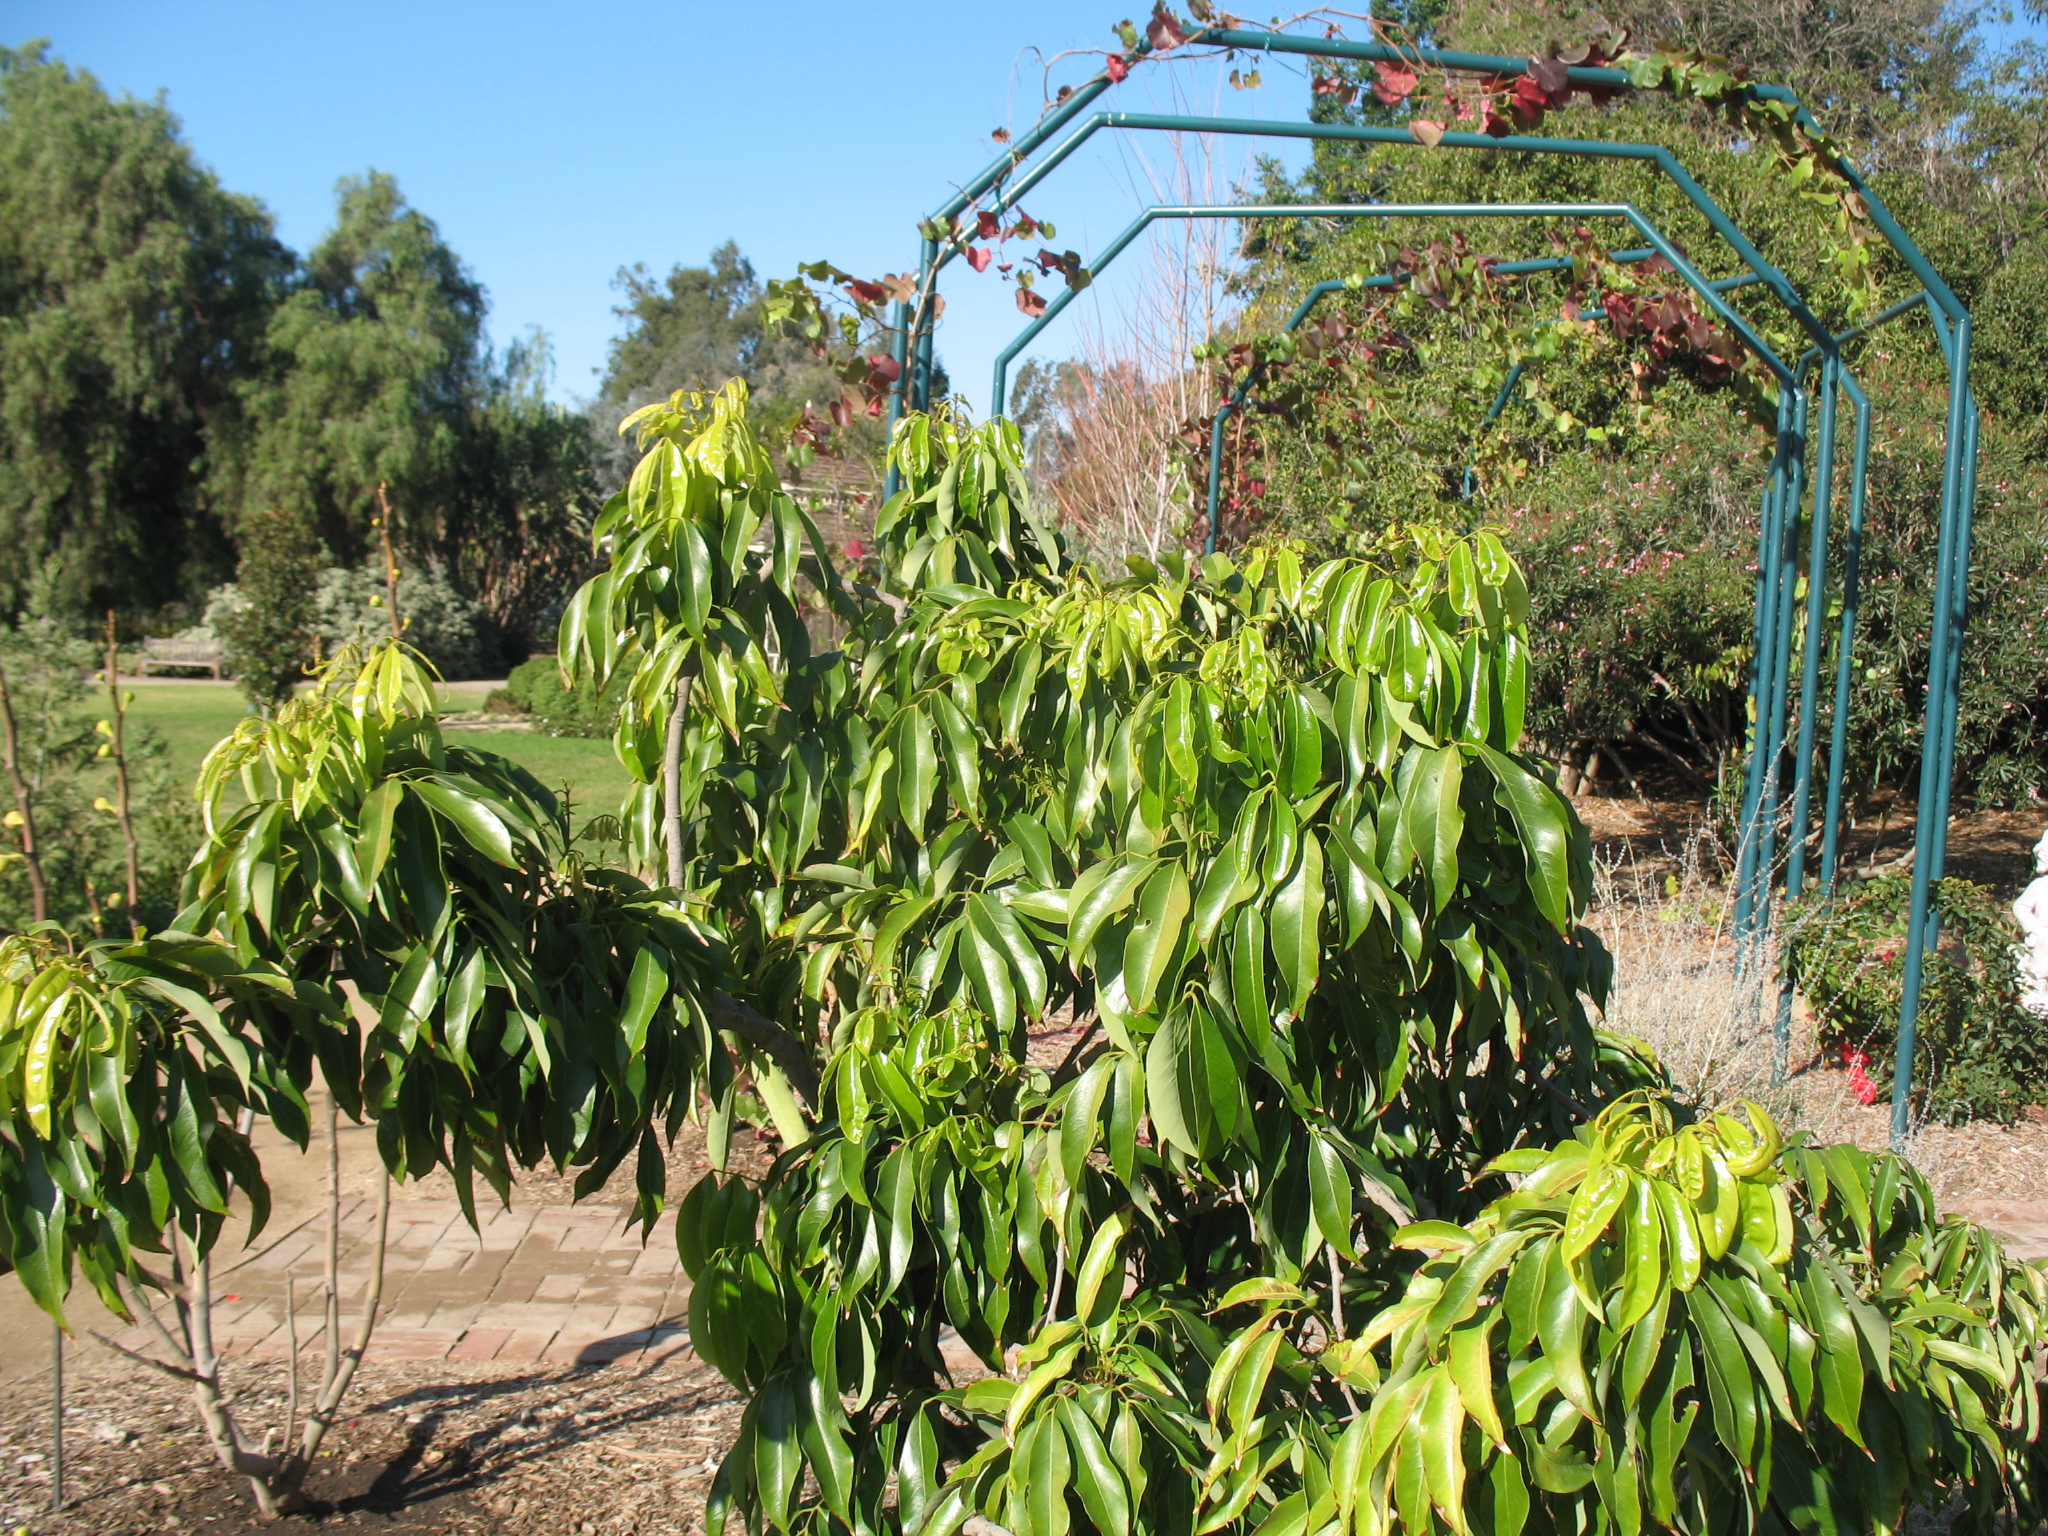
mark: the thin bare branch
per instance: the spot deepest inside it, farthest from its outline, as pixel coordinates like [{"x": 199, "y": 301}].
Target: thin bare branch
[{"x": 179, "y": 1371}]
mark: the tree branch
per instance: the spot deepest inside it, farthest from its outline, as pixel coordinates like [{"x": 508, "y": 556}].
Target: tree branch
[
  {"x": 889, "y": 600},
  {"x": 140, "y": 1358},
  {"x": 775, "y": 1042}
]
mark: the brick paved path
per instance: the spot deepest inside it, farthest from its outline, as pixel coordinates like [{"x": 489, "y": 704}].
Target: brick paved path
[
  {"x": 551, "y": 1283},
  {"x": 2022, "y": 1223},
  {"x": 547, "y": 1283}
]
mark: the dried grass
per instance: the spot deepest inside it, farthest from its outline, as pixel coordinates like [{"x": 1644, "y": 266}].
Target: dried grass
[{"x": 1710, "y": 1013}]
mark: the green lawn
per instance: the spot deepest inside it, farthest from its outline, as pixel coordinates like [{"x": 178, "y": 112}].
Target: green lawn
[{"x": 191, "y": 717}]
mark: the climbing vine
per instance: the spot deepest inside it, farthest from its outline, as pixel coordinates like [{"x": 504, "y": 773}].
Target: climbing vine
[{"x": 848, "y": 317}]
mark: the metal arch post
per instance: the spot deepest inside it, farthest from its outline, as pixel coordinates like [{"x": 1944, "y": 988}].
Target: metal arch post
[
  {"x": 1959, "y": 614},
  {"x": 1930, "y": 836},
  {"x": 1595, "y": 149},
  {"x": 1771, "y": 673},
  {"x": 1507, "y": 388},
  {"x": 1590, "y": 77},
  {"x": 1708, "y": 290},
  {"x": 1749, "y": 878},
  {"x": 1809, "y": 678},
  {"x": 1958, "y": 479},
  {"x": 1310, "y": 300},
  {"x": 1845, "y": 643},
  {"x": 1816, "y": 614},
  {"x": 1790, "y": 510}
]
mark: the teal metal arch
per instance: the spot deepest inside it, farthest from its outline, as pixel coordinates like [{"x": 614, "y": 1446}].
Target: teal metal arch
[
  {"x": 1773, "y": 613},
  {"x": 1769, "y": 759}
]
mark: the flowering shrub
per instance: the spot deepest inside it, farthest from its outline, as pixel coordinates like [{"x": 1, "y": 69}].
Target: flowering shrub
[{"x": 1985, "y": 1056}]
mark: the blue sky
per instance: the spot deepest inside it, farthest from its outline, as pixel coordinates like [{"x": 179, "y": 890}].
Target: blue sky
[{"x": 555, "y": 143}]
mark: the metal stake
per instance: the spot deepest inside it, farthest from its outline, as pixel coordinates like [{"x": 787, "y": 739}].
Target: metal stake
[{"x": 56, "y": 1416}]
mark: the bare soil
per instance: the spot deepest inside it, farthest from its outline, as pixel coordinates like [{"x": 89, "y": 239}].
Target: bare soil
[
  {"x": 432, "y": 1447},
  {"x": 1990, "y": 847}
]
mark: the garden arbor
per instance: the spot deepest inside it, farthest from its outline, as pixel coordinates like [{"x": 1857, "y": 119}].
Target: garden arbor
[{"x": 1798, "y": 535}]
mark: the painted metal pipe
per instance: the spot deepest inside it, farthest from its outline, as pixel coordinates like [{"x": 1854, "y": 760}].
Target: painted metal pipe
[
  {"x": 1773, "y": 724},
  {"x": 1845, "y": 643},
  {"x": 1749, "y": 834},
  {"x": 1809, "y": 686},
  {"x": 1959, "y": 616},
  {"x": 1929, "y": 839},
  {"x": 1816, "y": 624}
]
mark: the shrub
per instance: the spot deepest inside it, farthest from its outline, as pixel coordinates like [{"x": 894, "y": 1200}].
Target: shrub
[
  {"x": 1981, "y": 1054},
  {"x": 536, "y": 687},
  {"x": 269, "y": 630},
  {"x": 440, "y": 623}
]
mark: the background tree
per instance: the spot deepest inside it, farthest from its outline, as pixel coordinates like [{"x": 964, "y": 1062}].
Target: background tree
[
  {"x": 380, "y": 374},
  {"x": 270, "y": 635},
  {"x": 700, "y": 326},
  {"x": 134, "y": 291},
  {"x": 376, "y": 355},
  {"x": 694, "y": 329}
]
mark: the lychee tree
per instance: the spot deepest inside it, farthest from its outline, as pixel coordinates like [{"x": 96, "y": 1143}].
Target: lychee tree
[
  {"x": 1337, "y": 1211},
  {"x": 402, "y": 914}
]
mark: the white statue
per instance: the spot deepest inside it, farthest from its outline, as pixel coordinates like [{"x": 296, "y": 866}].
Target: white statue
[{"x": 2032, "y": 911}]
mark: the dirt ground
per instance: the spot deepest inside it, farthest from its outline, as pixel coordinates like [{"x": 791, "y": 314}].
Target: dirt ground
[
  {"x": 1992, "y": 848},
  {"x": 430, "y": 1447},
  {"x": 440, "y": 1446}
]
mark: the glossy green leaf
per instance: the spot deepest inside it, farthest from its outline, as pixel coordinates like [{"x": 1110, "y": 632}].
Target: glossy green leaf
[
  {"x": 1154, "y": 944},
  {"x": 1297, "y": 926},
  {"x": 1544, "y": 823}
]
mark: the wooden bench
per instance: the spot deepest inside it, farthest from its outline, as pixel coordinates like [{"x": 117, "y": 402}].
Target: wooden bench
[{"x": 181, "y": 653}]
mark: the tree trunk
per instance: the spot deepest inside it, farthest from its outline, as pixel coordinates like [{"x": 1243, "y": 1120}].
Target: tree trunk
[
  {"x": 672, "y": 784},
  {"x": 24, "y": 805}
]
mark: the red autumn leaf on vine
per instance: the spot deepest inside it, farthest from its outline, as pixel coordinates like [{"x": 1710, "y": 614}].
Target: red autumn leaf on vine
[
  {"x": 986, "y": 225},
  {"x": 1117, "y": 68},
  {"x": 1049, "y": 261},
  {"x": 979, "y": 256},
  {"x": 1394, "y": 85},
  {"x": 1553, "y": 76},
  {"x": 1025, "y": 225},
  {"x": 1497, "y": 126},
  {"x": 884, "y": 367},
  {"x": 1030, "y": 303},
  {"x": 865, "y": 292},
  {"x": 1528, "y": 101},
  {"x": 1163, "y": 30}
]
